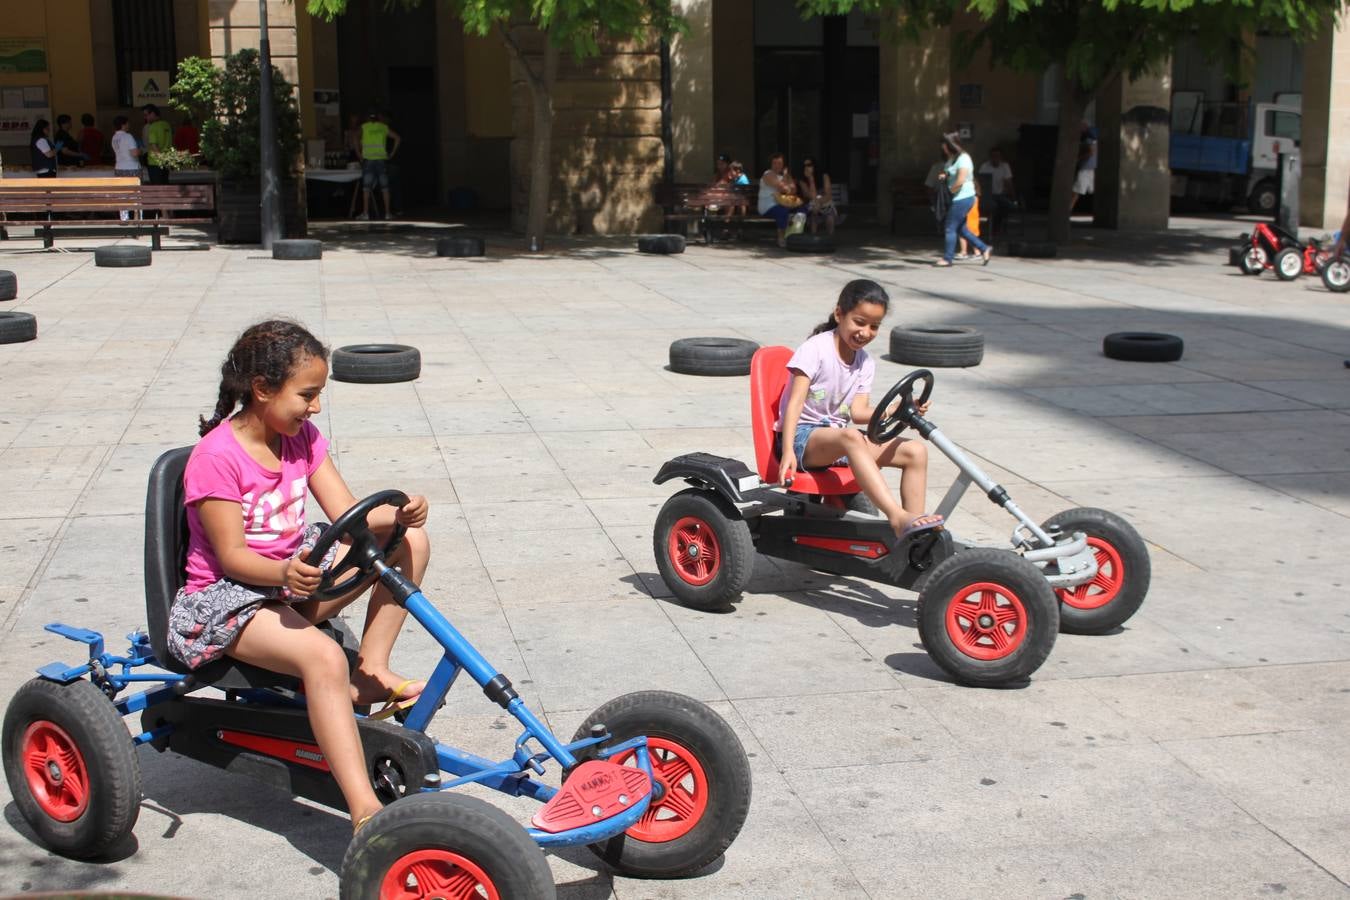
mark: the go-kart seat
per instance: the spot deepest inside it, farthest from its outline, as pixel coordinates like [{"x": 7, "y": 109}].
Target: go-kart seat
[
  {"x": 166, "y": 542},
  {"x": 768, "y": 379}
]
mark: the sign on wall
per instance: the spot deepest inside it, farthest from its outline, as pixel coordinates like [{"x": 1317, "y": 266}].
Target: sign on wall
[
  {"x": 19, "y": 54},
  {"x": 149, "y": 87},
  {"x": 20, "y": 107}
]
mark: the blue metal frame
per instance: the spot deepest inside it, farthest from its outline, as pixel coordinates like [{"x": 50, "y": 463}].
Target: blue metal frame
[{"x": 513, "y": 776}]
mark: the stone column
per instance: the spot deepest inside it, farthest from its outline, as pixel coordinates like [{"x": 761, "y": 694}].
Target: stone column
[
  {"x": 915, "y": 107},
  {"x": 691, "y": 78},
  {"x": 1326, "y": 128},
  {"x": 1134, "y": 181}
]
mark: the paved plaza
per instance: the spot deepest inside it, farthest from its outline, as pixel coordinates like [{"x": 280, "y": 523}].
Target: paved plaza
[{"x": 1198, "y": 752}]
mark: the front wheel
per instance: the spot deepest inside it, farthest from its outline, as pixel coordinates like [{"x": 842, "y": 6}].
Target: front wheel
[
  {"x": 444, "y": 845},
  {"x": 1289, "y": 264},
  {"x": 1123, "y": 572},
  {"x": 702, "y": 777},
  {"x": 987, "y": 617},
  {"x": 71, "y": 767},
  {"x": 1336, "y": 275},
  {"x": 703, "y": 549},
  {"x": 1253, "y": 261}
]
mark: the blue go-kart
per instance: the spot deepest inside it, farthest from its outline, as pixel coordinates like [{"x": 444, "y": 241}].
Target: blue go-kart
[{"x": 655, "y": 783}]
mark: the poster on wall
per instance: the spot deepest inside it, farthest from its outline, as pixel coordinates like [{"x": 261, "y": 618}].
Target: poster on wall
[
  {"x": 326, "y": 102},
  {"x": 16, "y": 124},
  {"x": 149, "y": 87},
  {"x": 18, "y": 54}
]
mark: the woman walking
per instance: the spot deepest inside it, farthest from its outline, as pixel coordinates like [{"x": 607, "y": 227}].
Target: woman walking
[{"x": 958, "y": 179}]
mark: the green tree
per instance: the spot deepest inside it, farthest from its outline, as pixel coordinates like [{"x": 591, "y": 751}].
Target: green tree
[
  {"x": 574, "y": 25},
  {"x": 1093, "y": 42}
]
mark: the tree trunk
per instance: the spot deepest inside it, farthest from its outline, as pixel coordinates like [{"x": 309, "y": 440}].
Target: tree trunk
[
  {"x": 1073, "y": 102},
  {"x": 541, "y": 143}
]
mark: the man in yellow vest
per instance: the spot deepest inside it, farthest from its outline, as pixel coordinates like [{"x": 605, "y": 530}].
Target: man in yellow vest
[{"x": 375, "y": 156}]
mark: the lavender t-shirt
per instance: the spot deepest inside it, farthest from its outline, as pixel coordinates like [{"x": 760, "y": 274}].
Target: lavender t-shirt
[
  {"x": 273, "y": 503},
  {"x": 834, "y": 383}
]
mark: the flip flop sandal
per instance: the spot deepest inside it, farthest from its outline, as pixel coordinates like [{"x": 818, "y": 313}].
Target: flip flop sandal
[
  {"x": 913, "y": 528},
  {"x": 396, "y": 702}
]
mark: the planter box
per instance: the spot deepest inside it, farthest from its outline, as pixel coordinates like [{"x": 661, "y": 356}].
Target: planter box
[{"x": 239, "y": 211}]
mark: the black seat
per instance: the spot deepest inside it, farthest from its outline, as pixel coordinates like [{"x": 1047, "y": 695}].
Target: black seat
[{"x": 166, "y": 543}]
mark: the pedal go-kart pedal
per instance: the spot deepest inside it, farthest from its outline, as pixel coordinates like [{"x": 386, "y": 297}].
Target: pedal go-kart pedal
[{"x": 596, "y": 790}]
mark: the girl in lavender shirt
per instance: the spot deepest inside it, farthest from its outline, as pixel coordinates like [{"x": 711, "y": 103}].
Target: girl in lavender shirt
[
  {"x": 831, "y": 384},
  {"x": 247, "y": 582}
]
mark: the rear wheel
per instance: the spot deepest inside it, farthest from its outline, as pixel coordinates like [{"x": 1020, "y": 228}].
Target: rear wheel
[
  {"x": 1253, "y": 262},
  {"x": 987, "y": 617},
  {"x": 444, "y": 845},
  {"x": 1263, "y": 199},
  {"x": 702, "y": 790},
  {"x": 703, "y": 549},
  {"x": 71, "y": 766},
  {"x": 1289, "y": 264},
  {"x": 1336, "y": 275},
  {"x": 1123, "y": 572}
]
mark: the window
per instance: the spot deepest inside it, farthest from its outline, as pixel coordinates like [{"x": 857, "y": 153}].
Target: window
[
  {"x": 1284, "y": 125},
  {"x": 144, "y": 40}
]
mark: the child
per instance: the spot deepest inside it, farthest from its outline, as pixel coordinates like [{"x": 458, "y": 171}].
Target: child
[
  {"x": 245, "y": 488},
  {"x": 831, "y": 381}
]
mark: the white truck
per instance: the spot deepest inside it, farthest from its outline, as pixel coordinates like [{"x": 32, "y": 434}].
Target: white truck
[{"x": 1227, "y": 153}]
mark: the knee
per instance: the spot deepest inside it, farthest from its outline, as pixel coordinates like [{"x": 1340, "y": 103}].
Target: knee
[
  {"x": 325, "y": 662},
  {"x": 913, "y": 453},
  {"x": 416, "y": 546},
  {"x": 854, "y": 440}
]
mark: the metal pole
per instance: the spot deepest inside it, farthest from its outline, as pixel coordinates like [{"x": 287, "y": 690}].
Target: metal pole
[
  {"x": 267, "y": 137},
  {"x": 667, "y": 116}
]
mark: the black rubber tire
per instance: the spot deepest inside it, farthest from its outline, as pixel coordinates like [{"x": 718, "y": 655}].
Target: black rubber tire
[
  {"x": 1033, "y": 249},
  {"x": 1253, "y": 260},
  {"x": 1289, "y": 264},
  {"x": 376, "y": 363},
  {"x": 1012, "y": 574},
  {"x": 1135, "y": 569},
  {"x": 735, "y": 548},
  {"x": 1263, "y": 199},
  {"x": 297, "y": 248},
  {"x": 456, "y": 823},
  {"x": 17, "y": 327},
  {"x": 1336, "y": 275},
  {"x": 1143, "y": 346},
  {"x": 945, "y": 346},
  {"x": 121, "y": 256},
  {"x": 661, "y": 243},
  {"x": 103, "y": 748},
  {"x": 9, "y": 285},
  {"x": 460, "y": 245},
  {"x": 810, "y": 243},
  {"x": 1235, "y": 254},
  {"x": 707, "y": 737},
  {"x": 859, "y": 503},
  {"x": 712, "y": 356}
]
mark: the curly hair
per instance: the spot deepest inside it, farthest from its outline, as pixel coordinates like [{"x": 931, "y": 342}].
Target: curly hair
[{"x": 269, "y": 350}]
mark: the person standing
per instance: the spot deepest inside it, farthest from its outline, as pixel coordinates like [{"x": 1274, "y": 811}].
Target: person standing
[
  {"x": 42, "y": 149},
  {"x": 1085, "y": 182},
  {"x": 158, "y": 136},
  {"x": 375, "y": 156},
  {"x": 126, "y": 155},
  {"x": 958, "y": 178},
  {"x": 1002, "y": 194},
  {"x": 91, "y": 139},
  {"x": 67, "y": 148},
  {"x": 187, "y": 138}
]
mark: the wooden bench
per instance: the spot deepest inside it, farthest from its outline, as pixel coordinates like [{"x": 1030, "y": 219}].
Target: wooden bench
[
  {"x": 709, "y": 206},
  {"x": 93, "y": 205}
]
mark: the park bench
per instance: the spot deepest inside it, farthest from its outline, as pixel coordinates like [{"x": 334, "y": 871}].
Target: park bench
[
  {"x": 91, "y": 206},
  {"x": 708, "y": 205}
]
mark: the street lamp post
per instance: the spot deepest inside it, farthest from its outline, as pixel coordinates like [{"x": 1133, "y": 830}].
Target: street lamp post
[{"x": 267, "y": 137}]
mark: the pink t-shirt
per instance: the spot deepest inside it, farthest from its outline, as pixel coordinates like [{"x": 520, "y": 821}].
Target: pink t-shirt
[
  {"x": 834, "y": 383},
  {"x": 273, "y": 503}
]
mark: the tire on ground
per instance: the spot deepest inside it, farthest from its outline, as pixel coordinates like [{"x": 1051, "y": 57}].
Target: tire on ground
[
  {"x": 1253, "y": 261},
  {"x": 1143, "y": 346},
  {"x": 948, "y": 346},
  {"x": 703, "y": 549},
  {"x": 121, "y": 256},
  {"x": 460, "y": 245},
  {"x": 17, "y": 327},
  {"x": 1289, "y": 264},
  {"x": 1336, "y": 275},
  {"x": 810, "y": 243},
  {"x": 376, "y": 363},
  {"x": 297, "y": 248},
  {"x": 1032, "y": 249},
  {"x": 9, "y": 285},
  {"x": 712, "y": 356},
  {"x": 661, "y": 243}
]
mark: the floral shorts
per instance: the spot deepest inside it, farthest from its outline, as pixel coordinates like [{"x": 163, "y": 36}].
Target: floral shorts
[{"x": 203, "y": 623}]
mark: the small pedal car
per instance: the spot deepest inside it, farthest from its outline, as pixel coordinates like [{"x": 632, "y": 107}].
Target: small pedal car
[
  {"x": 655, "y": 783},
  {"x": 1271, "y": 247},
  {"x": 987, "y": 616}
]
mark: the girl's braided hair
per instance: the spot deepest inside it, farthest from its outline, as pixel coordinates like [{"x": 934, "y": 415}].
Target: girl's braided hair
[
  {"x": 270, "y": 350},
  {"x": 859, "y": 290}
]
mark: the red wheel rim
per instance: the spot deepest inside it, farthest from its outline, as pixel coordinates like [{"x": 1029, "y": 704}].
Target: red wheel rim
[
  {"x": 436, "y": 873},
  {"x": 694, "y": 551},
  {"x": 1105, "y": 585},
  {"x": 57, "y": 777},
  {"x": 986, "y": 621},
  {"x": 684, "y": 799}
]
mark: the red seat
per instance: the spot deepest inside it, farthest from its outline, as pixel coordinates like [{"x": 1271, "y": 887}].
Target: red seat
[{"x": 768, "y": 378}]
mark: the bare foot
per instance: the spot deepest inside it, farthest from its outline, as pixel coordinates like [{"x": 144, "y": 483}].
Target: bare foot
[{"x": 383, "y": 687}]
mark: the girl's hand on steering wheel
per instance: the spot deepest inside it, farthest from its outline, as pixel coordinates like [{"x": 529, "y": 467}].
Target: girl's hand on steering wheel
[
  {"x": 788, "y": 467},
  {"x": 923, "y": 407},
  {"x": 412, "y": 514},
  {"x": 300, "y": 579}
]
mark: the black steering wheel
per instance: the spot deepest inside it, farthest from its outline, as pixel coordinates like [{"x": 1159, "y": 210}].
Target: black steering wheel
[
  {"x": 364, "y": 551},
  {"x": 885, "y": 426}
]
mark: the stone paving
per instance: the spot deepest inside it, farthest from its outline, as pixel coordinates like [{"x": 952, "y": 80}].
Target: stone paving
[{"x": 1196, "y": 753}]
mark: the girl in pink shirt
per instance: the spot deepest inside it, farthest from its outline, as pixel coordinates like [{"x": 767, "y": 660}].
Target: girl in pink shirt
[
  {"x": 831, "y": 384},
  {"x": 245, "y": 487}
]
